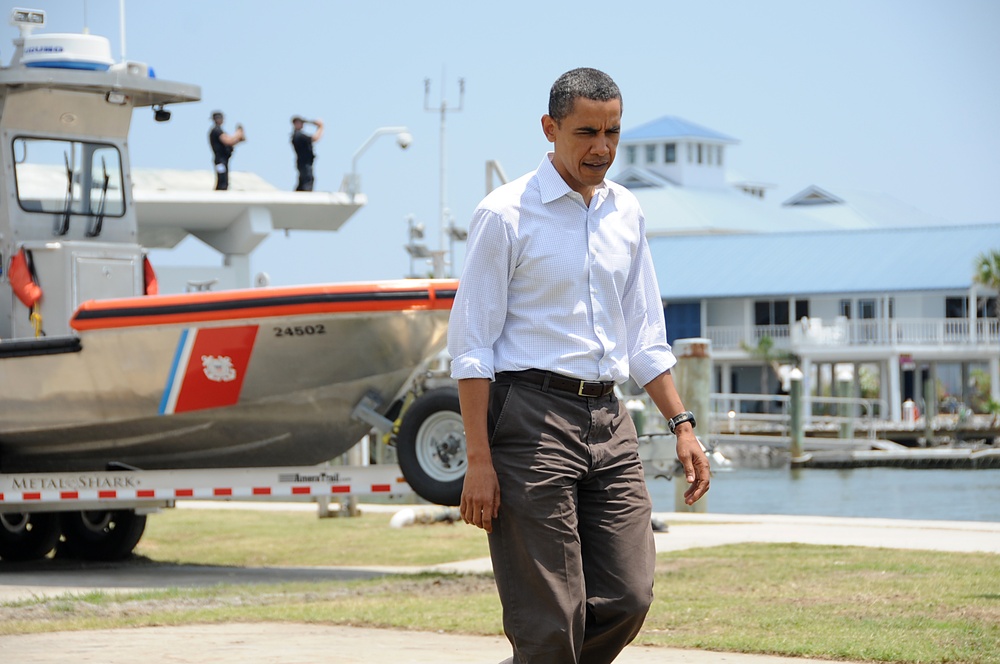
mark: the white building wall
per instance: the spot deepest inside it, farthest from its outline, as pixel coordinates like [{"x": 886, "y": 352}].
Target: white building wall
[
  {"x": 825, "y": 308},
  {"x": 910, "y": 306},
  {"x": 724, "y": 312}
]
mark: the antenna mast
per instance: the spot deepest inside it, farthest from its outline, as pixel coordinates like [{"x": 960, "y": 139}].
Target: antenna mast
[
  {"x": 439, "y": 260},
  {"x": 121, "y": 25}
]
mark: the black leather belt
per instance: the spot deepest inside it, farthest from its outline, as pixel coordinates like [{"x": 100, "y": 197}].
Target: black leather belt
[{"x": 546, "y": 380}]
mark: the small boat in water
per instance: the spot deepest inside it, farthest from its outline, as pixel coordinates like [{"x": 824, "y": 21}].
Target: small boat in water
[{"x": 97, "y": 371}]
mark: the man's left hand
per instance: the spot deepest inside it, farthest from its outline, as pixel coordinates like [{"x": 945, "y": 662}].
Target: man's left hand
[{"x": 696, "y": 469}]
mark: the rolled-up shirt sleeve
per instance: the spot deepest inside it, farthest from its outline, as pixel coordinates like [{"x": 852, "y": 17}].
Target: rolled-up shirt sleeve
[
  {"x": 480, "y": 307},
  {"x": 649, "y": 352}
]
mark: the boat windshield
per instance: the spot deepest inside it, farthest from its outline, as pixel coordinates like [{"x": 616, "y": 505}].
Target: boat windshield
[{"x": 65, "y": 178}]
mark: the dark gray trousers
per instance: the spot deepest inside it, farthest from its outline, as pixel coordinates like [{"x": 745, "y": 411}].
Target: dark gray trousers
[{"x": 572, "y": 546}]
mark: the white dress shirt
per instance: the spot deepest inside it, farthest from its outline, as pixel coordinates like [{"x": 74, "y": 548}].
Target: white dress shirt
[{"x": 551, "y": 284}]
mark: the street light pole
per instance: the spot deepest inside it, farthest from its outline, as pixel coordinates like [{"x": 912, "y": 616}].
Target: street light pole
[
  {"x": 444, "y": 112},
  {"x": 403, "y": 139}
]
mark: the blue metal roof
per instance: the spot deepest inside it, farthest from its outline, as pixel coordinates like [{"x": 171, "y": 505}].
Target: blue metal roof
[
  {"x": 670, "y": 126},
  {"x": 820, "y": 262}
]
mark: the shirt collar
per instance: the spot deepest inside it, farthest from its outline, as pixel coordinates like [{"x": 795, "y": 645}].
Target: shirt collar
[{"x": 551, "y": 185}]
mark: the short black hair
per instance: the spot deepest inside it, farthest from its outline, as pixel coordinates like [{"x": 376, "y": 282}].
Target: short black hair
[{"x": 582, "y": 82}]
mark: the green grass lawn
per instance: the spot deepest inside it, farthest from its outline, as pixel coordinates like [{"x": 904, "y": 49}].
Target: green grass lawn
[
  {"x": 259, "y": 538},
  {"x": 852, "y": 603}
]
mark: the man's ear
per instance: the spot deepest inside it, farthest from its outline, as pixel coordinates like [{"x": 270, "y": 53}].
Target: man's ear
[{"x": 549, "y": 126}]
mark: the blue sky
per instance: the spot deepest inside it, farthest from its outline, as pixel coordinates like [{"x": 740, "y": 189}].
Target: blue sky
[{"x": 894, "y": 96}]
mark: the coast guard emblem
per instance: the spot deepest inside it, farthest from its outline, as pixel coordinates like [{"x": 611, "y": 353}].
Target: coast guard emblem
[
  {"x": 218, "y": 368},
  {"x": 209, "y": 368}
]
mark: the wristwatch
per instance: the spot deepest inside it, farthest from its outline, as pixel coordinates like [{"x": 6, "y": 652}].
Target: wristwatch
[{"x": 681, "y": 418}]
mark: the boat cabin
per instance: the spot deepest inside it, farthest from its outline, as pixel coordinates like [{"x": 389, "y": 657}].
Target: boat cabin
[{"x": 68, "y": 225}]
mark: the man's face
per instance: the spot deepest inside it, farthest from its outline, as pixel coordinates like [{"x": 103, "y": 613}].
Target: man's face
[
  {"x": 585, "y": 142},
  {"x": 297, "y": 125}
]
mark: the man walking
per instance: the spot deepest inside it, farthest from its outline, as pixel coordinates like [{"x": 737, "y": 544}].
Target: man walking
[{"x": 557, "y": 303}]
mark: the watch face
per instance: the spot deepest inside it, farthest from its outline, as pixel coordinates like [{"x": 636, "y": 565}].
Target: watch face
[{"x": 681, "y": 418}]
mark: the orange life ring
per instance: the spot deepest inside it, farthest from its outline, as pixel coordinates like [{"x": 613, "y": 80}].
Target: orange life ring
[
  {"x": 150, "y": 285},
  {"x": 22, "y": 281}
]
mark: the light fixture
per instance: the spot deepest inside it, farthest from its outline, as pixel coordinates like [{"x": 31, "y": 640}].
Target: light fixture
[
  {"x": 160, "y": 114},
  {"x": 418, "y": 251},
  {"x": 27, "y": 20},
  {"x": 403, "y": 139},
  {"x": 416, "y": 229}
]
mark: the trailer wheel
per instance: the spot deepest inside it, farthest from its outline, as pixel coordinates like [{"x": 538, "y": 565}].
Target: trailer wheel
[
  {"x": 28, "y": 536},
  {"x": 100, "y": 535},
  {"x": 431, "y": 447}
]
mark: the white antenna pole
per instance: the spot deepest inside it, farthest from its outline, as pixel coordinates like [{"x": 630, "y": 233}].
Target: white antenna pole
[
  {"x": 444, "y": 111},
  {"x": 121, "y": 25}
]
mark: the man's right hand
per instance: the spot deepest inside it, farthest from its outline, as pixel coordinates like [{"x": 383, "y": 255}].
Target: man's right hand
[
  {"x": 480, "y": 496},
  {"x": 481, "y": 491}
]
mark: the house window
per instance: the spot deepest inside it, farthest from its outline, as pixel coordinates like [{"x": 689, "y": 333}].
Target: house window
[
  {"x": 866, "y": 309},
  {"x": 987, "y": 307},
  {"x": 700, "y": 157},
  {"x": 955, "y": 307},
  {"x": 770, "y": 312},
  {"x": 650, "y": 154},
  {"x": 630, "y": 154},
  {"x": 958, "y": 307},
  {"x": 690, "y": 150},
  {"x": 669, "y": 153},
  {"x": 845, "y": 308},
  {"x": 801, "y": 309},
  {"x": 718, "y": 157}
]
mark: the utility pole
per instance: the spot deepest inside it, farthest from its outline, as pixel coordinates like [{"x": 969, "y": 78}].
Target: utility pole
[{"x": 444, "y": 108}]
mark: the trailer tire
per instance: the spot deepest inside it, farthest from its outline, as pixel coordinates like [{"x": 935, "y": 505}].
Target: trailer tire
[
  {"x": 28, "y": 536},
  {"x": 430, "y": 446},
  {"x": 100, "y": 535}
]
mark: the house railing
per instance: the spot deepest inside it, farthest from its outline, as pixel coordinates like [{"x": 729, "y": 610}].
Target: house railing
[
  {"x": 845, "y": 332},
  {"x": 763, "y": 413},
  {"x": 733, "y": 413},
  {"x": 739, "y": 336}
]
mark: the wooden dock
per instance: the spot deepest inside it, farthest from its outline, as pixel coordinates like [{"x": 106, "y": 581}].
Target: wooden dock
[
  {"x": 822, "y": 450},
  {"x": 903, "y": 457}
]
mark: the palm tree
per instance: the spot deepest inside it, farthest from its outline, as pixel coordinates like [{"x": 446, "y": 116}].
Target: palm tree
[
  {"x": 987, "y": 273},
  {"x": 987, "y": 267},
  {"x": 769, "y": 357}
]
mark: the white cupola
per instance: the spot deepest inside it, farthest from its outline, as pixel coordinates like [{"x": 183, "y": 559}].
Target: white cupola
[{"x": 675, "y": 150}]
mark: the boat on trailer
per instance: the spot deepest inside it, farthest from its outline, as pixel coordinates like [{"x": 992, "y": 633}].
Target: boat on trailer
[{"x": 98, "y": 371}]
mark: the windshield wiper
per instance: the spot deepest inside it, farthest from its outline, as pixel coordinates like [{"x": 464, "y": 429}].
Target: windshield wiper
[
  {"x": 62, "y": 221},
  {"x": 95, "y": 228}
]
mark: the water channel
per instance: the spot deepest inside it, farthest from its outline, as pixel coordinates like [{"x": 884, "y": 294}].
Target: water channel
[{"x": 893, "y": 493}]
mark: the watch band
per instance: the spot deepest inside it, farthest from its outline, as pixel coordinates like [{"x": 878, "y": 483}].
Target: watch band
[{"x": 681, "y": 418}]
